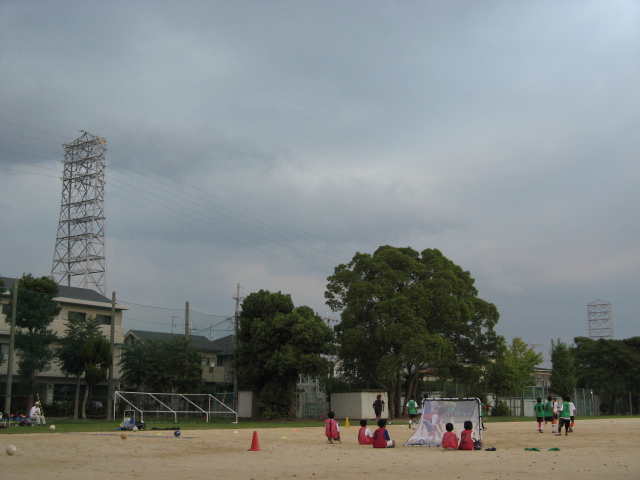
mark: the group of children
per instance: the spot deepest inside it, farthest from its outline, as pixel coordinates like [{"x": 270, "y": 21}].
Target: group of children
[
  {"x": 381, "y": 439},
  {"x": 467, "y": 440},
  {"x": 559, "y": 414}
]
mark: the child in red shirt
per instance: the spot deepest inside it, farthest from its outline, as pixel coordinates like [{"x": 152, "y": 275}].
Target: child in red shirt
[
  {"x": 466, "y": 437},
  {"x": 331, "y": 429},
  {"x": 449, "y": 439},
  {"x": 365, "y": 437},
  {"x": 381, "y": 437}
]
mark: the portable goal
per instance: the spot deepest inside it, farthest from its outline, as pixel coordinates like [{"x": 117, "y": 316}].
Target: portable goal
[
  {"x": 171, "y": 406},
  {"x": 437, "y": 412}
]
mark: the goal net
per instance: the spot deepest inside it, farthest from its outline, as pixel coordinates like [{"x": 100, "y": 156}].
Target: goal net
[
  {"x": 171, "y": 407},
  {"x": 437, "y": 412}
]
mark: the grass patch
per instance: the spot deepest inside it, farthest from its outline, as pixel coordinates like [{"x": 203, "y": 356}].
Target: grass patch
[{"x": 67, "y": 425}]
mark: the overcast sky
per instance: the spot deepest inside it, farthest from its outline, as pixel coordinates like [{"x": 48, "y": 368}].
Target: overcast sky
[{"x": 266, "y": 142}]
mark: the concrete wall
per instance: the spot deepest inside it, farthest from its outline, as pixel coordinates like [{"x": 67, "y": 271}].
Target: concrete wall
[
  {"x": 247, "y": 404},
  {"x": 357, "y": 405}
]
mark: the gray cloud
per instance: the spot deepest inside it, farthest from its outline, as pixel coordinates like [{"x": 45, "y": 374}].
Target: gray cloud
[{"x": 266, "y": 142}]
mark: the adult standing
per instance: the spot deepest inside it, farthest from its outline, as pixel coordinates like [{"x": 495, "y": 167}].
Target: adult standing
[{"x": 378, "y": 407}]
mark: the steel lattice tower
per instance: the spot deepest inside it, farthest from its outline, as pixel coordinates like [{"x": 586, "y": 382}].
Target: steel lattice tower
[
  {"x": 600, "y": 322},
  {"x": 79, "y": 258}
]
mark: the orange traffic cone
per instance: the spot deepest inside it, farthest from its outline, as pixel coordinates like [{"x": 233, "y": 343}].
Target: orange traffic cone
[{"x": 255, "y": 446}]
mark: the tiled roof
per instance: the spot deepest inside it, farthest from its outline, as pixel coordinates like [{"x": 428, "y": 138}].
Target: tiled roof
[
  {"x": 225, "y": 345},
  {"x": 70, "y": 292}
]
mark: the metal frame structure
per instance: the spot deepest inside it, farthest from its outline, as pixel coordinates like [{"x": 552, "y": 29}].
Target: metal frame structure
[
  {"x": 79, "y": 258},
  {"x": 161, "y": 403},
  {"x": 600, "y": 321}
]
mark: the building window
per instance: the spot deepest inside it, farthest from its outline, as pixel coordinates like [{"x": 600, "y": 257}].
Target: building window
[
  {"x": 76, "y": 316},
  {"x": 103, "y": 319},
  {"x": 6, "y": 309},
  {"x": 4, "y": 349}
]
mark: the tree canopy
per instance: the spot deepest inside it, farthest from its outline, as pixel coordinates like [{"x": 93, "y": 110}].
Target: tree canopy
[
  {"x": 563, "y": 370},
  {"x": 35, "y": 310},
  {"x": 513, "y": 368},
  {"x": 96, "y": 354},
  {"x": 276, "y": 343},
  {"x": 610, "y": 367},
  {"x": 2, "y": 290},
  {"x": 402, "y": 310},
  {"x": 70, "y": 355},
  {"x": 155, "y": 366}
]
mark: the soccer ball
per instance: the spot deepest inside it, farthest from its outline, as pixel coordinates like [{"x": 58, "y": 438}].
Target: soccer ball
[
  {"x": 134, "y": 429},
  {"x": 11, "y": 450},
  {"x": 123, "y": 435},
  {"x": 52, "y": 427},
  {"x": 177, "y": 433},
  {"x": 421, "y": 441}
]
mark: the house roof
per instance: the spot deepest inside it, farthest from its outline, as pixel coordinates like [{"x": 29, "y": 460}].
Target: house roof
[
  {"x": 199, "y": 342},
  {"x": 70, "y": 292},
  {"x": 225, "y": 344}
]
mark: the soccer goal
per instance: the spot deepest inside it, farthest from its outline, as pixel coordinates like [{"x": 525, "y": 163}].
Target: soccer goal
[
  {"x": 437, "y": 412},
  {"x": 171, "y": 406}
]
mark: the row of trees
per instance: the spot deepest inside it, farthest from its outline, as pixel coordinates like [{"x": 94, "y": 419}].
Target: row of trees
[
  {"x": 82, "y": 351},
  {"x": 402, "y": 311},
  {"x": 611, "y": 368}
]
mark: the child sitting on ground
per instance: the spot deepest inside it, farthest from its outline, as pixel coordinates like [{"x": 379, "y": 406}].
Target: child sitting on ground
[
  {"x": 381, "y": 437},
  {"x": 449, "y": 439},
  {"x": 466, "y": 437},
  {"x": 332, "y": 430},
  {"x": 365, "y": 437}
]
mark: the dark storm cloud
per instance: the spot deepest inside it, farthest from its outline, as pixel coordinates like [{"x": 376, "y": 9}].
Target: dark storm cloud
[{"x": 266, "y": 142}]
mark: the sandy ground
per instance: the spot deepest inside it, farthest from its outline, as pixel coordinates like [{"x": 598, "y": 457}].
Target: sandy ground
[{"x": 599, "y": 449}]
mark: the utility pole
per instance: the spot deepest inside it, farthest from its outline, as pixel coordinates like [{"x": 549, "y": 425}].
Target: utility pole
[
  {"x": 12, "y": 337},
  {"x": 238, "y": 299},
  {"x": 186, "y": 321},
  {"x": 113, "y": 355}
]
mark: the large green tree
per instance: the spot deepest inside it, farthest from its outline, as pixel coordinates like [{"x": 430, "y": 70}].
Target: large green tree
[
  {"x": 35, "y": 310},
  {"x": 70, "y": 355},
  {"x": 523, "y": 361},
  {"x": 276, "y": 343},
  {"x": 403, "y": 310},
  {"x": 96, "y": 353},
  {"x": 155, "y": 366},
  {"x": 563, "y": 370},
  {"x": 633, "y": 372},
  {"x": 2, "y": 290},
  {"x": 513, "y": 368},
  {"x": 610, "y": 367}
]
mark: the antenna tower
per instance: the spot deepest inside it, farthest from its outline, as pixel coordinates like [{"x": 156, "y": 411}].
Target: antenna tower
[
  {"x": 600, "y": 322},
  {"x": 79, "y": 257}
]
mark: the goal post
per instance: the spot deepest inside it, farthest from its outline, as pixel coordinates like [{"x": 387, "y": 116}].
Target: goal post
[
  {"x": 437, "y": 412},
  {"x": 167, "y": 406}
]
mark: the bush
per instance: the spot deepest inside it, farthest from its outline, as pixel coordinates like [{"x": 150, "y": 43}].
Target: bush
[
  {"x": 500, "y": 409},
  {"x": 59, "y": 408}
]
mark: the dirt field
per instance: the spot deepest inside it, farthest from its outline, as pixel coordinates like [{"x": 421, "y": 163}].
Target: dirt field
[{"x": 598, "y": 449}]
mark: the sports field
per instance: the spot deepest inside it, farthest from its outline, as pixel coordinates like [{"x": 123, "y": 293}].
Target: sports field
[{"x": 601, "y": 448}]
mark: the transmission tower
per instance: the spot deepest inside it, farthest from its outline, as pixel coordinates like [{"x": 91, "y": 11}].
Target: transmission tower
[
  {"x": 79, "y": 257},
  {"x": 600, "y": 322}
]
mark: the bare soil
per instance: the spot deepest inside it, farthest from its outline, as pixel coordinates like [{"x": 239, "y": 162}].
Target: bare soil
[{"x": 598, "y": 449}]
